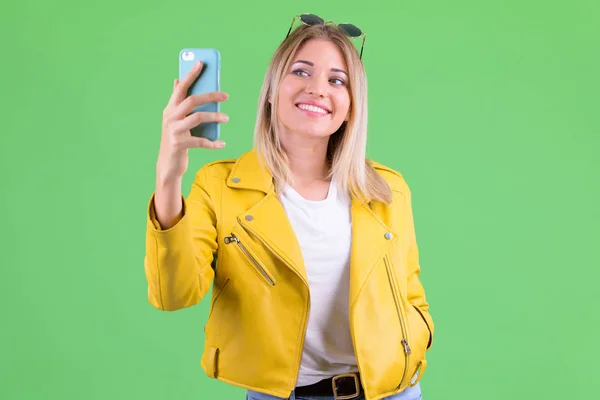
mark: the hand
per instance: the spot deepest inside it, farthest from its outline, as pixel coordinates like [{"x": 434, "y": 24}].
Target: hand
[{"x": 177, "y": 121}]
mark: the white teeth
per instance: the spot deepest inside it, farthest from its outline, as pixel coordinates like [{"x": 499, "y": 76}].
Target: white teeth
[{"x": 312, "y": 108}]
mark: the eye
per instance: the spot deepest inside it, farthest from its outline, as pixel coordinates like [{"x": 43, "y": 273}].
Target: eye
[
  {"x": 300, "y": 72},
  {"x": 337, "y": 81}
]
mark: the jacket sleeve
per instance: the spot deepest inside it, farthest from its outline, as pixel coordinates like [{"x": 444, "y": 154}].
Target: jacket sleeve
[
  {"x": 416, "y": 292},
  {"x": 178, "y": 260}
]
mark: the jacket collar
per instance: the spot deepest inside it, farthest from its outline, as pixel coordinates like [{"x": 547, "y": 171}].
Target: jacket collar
[
  {"x": 249, "y": 172},
  {"x": 371, "y": 237}
]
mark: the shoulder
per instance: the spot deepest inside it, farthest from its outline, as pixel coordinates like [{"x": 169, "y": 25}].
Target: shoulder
[
  {"x": 393, "y": 178},
  {"x": 244, "y": 171},
  {"x": 218, "y": 168},
  {"x": 246, "y": 161}
]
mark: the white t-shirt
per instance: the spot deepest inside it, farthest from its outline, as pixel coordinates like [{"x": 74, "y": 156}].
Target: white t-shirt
[{"x": 324, "y": 231}]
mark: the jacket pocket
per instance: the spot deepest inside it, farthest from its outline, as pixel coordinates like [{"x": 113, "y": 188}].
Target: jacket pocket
[
  {"x": 252, "y": 260},
  {"x": 217, "y": 295},
  {"x": 427, "y": 325},
  {"x": 216, "y": 298},
  {"x": 399, "y": 310},
  {"x": 419, "y": 337}
]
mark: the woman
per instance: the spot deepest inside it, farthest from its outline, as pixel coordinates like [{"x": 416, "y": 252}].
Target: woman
[{"x": 316, "y": 293}]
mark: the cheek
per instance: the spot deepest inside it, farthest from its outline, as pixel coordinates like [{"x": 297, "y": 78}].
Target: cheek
[
  {"x": 285, "y": 103},
  {"x": 286, "y": 90},
  {"x": 343, "y": 102}
]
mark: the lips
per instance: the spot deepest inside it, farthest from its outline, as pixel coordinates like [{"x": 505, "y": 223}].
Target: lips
[{"x": 313, "y": 107}]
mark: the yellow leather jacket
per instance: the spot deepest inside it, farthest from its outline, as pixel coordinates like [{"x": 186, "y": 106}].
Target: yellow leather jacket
[{"x": 260, "y": 298}]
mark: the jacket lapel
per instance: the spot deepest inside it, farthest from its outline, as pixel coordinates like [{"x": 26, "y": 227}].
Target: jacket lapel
[
  {"x": 267, "y": 219},
  {"x": 371, "y": 239}
]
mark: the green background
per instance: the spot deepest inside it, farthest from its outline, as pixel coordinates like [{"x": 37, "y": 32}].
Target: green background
[{"x": 489, "y": 109}]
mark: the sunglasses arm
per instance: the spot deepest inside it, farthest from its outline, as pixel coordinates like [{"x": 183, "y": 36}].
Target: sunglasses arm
[
  {"x": 291, "y": 26},
  {"x": 363, "y": 45}
]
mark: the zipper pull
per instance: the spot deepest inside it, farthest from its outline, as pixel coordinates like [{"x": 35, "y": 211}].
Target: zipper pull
[
  {"x": 232, "y": 238},
  {"x": 407, "y": 349}
]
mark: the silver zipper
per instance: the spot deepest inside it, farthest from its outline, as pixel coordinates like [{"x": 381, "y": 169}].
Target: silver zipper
[
  {"x": 404, "y": 341},
  {"x": 233, "y": 238}
]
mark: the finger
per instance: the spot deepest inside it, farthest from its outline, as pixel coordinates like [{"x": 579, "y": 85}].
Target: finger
[
  {"x": 180, "y": 90},
  {"x": 191, "y": 102},
  {"x": 197, "y": 118},
  {"x": 197, "y": 142},
  {"x": 170, "y": 103}
]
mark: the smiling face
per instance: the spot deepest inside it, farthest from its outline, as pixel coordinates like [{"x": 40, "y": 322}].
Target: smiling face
[{"x": 313, "y": 97}]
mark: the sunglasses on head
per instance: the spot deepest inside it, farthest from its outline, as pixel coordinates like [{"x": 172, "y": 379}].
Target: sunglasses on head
[{"x": 351, "y": 30}]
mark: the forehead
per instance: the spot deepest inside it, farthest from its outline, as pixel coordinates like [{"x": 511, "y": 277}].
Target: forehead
[{"x": 319, "y": 51}]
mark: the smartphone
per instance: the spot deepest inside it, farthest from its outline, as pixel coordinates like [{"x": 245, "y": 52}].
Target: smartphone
[{"x": 208, "y": 81}]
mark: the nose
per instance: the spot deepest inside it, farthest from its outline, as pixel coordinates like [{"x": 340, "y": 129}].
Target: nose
[{"x": 317, "y": 86}]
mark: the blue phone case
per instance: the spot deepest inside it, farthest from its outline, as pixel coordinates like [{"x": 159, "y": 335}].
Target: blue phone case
[{"x": 208, "y": 81}]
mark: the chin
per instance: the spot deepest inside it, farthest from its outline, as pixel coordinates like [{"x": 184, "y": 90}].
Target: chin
[{"x": 314, "y": 132}]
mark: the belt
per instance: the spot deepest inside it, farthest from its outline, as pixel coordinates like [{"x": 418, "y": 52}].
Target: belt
[{"x": 340, "y": 387}]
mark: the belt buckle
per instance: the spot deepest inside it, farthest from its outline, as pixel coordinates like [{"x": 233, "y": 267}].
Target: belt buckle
[{"x": 345, "y": 397}]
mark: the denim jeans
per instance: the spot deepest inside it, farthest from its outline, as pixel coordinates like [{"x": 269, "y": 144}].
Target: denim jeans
[{"x": 410, "y": 393}]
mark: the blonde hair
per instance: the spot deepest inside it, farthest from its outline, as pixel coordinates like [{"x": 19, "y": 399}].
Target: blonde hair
[{"x": 347, "y": 147}]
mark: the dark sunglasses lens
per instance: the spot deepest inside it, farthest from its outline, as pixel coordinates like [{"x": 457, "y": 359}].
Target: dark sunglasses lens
[
  {"x": 311, "y": 19},
  {"x": 351, "y": 30}
]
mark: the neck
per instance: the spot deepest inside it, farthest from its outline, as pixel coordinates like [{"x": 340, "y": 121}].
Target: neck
[{"x": 307, "y": 157}]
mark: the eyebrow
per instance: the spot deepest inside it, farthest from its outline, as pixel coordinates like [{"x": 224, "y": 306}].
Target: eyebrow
[{"x": 312, "y": 65}]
